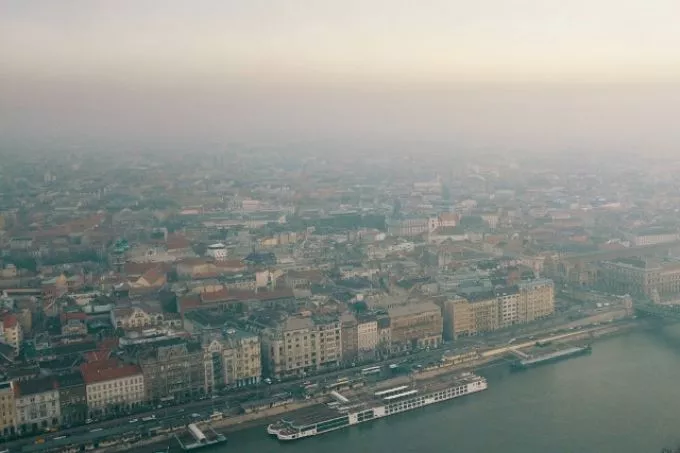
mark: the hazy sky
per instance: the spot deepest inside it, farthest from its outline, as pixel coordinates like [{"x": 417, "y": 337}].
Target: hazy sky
[{"x": 532, "y": 73}]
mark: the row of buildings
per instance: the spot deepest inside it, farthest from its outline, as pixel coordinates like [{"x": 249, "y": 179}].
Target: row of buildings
[
  {"x": 502, "y": 307},
  {"x": 174, "y": 369},
  {"x": 161, "y": 358}
]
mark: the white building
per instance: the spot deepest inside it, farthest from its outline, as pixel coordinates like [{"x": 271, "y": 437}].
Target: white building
[
  {"x": 37, "y": 405},
  {"x": 217, "y": 251},
  {"x": 110, "y": 386},
  {"x": 652, "y": 238}
]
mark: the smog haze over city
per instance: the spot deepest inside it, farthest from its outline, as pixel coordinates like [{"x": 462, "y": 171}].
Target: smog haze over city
[
  {"x": 510, "y": 74},
  {"x": 248, "y": 226}
]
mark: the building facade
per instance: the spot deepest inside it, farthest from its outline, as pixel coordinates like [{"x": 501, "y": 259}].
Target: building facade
[
  {"x": 72, "y": 399},
  {"x": 7, "y": 409},
  {"x": 536, "y": 300},
  {"x": 111, "y": 387},
  {"x": 172, "y": 369},
  {"x": 37, "y": 405},
  {"x": 367, "y": 337},
  {"x": 459, "y": 319},
  {"x": 415, "y": 326},
  {"x": 526, "y": 302},
  {"x": 639, "y": 277},
  {"x": 232, "y": 359},
  {"x": 300, "y": 345},
  {"x": 349, "y": 337},
  {"x": 11, "y": 332}
]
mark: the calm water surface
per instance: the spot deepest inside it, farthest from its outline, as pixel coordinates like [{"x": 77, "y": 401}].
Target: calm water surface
[{"x": 624, "y": 398}]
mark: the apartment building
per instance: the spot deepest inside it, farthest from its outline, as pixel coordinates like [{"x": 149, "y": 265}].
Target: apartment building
[
  {"x": 72, "y": 398},
  {"x": 232, "y": 358},
  {"x": 7, "y": 409},
  {"x": 349, "y": 337},
  {"x": 485, "y": 309},
  {"x": 172, "y": 368},
  {"x": 536, "y": 300},
  {"x": 638, "y": 277},
  {"x": 508, "y": 306},
  {"x": 111, "y": 386},
  {"x": 459, "y": 319},
  {"x": 384, "y": 335},
  {"x": 503, "y": 307},
  {"x": 300, "y": 345},
  {"x": 11, "y": 332},
  {"x": 37, "y": 405},
  {"x": 367, "y": 337},
  {"x": 415, "y": 326}
]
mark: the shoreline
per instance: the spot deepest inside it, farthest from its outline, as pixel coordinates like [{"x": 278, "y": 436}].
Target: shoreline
[{"x": 255, "y": 419}]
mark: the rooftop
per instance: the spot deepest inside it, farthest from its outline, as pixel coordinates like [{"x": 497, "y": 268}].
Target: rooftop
[
  {"x": 412, "y": 309},
  {"x": 107, "y": 370}
]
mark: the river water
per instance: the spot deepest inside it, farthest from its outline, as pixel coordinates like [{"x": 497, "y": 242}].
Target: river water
[{"x": 624, "y": 398}]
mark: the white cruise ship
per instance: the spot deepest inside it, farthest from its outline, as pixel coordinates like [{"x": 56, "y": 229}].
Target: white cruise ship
[{"x": 362, "y": 406}]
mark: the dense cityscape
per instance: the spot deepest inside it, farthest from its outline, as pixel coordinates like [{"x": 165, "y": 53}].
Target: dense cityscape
[
  {"x": 135, "y": 288},
  {"x": 282, "y": 226}
]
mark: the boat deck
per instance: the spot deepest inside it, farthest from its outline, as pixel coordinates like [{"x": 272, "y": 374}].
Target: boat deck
[
  {"x": 312, "y": 414},
  {"x": 366, "y": 398}
]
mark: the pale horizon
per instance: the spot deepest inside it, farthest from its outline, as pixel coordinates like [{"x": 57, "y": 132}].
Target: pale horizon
[{"x": 494, "y": 72}]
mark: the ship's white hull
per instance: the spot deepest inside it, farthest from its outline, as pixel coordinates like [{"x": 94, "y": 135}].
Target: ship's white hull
[{"x": 386, "y": 410}]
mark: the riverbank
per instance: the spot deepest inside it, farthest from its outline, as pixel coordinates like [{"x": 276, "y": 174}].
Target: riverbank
[{"x": 487, "y": 359}]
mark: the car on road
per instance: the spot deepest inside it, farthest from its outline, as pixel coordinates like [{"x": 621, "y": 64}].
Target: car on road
[
  {"x": 267, "y": 381},
  {"x": 61, "y": 437},
  {"x": 95, "y": 430},
  {"x": 149, "y": 418},
  {"x": 89, "y": 420},
  {"x": 133, "y": 420}
]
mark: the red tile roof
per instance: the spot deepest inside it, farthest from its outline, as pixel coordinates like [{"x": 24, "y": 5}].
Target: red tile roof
[
  {"x": 97, "y": 356},
  {"x": 107, "y": 370},
  {"x": 154, "y": 276},
  {"x": 189, "y": 302},
  {"x": 9, "y": 321},
  {"x": 230, "y": 265},
  {"x": 132, "y": 269},
  {"x": 177, "y": 242}
]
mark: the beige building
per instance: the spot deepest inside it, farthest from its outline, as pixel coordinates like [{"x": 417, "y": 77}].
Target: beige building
[
  {"x": 459, "y": 318},
  {"x": 143, "y": 316},
  {"x": 536, "y": 300},
  {"x": 526, "y": 302},
  {"x": 367, "y": 337},
  {"x": 233, "y": 358},
  {"x": 111, "y": 386},
  {"x": 508, "y": 307},
  {"x": 485, "y": 312},
  {"x": 302, "y": 344},
  {"x": 7, "y": 409},
  {"x": 415, "y": 326}
]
